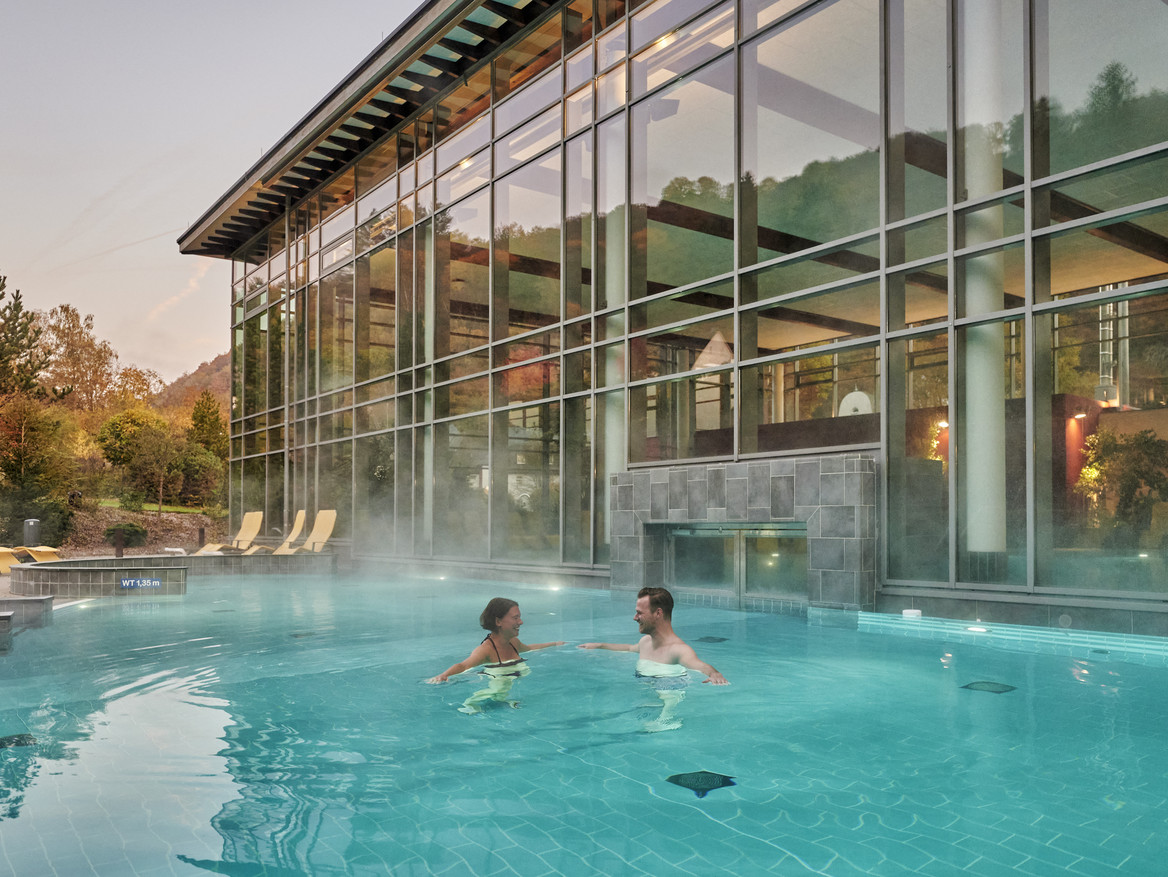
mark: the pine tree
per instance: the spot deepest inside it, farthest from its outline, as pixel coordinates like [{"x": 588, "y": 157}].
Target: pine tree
[
  {"x": 21, "y": 357},
  {"x": 207, "y": 426}
]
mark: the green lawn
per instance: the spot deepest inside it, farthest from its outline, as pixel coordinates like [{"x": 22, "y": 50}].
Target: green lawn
[{"x": 151, "y": 507}]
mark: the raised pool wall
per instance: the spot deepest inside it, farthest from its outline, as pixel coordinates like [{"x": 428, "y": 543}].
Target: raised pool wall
[{"x": 163, "y": 574}]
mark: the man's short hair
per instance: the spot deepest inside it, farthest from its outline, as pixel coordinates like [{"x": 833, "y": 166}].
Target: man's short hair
[{"x": 659, "y": 598}]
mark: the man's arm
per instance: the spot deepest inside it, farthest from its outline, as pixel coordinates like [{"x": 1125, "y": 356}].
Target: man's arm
[{"x": 688, "y": 658}]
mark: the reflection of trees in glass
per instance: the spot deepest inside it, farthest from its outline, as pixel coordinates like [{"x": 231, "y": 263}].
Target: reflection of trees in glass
[
  {"x": 1124, "y": 476},
  {"x": 1115, "y": 118},
  {"x": 374, "y": 492},
  {"x": 1122, "y": 344}
]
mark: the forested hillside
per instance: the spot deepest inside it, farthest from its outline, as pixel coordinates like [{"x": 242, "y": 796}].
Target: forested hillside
[{"x": 82, "y": 430}]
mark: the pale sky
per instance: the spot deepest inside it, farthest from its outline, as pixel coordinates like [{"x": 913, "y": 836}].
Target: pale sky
[{"x": 122, "y": 122}]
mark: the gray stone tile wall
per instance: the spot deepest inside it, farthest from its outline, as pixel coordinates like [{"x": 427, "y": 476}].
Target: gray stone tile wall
[{"x": 834, "y": 495}]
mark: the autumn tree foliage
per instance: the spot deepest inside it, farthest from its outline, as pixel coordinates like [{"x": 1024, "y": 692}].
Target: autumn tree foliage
[
  {"x": 36, "y": 468},
  {"x": 77, "y": 423}
]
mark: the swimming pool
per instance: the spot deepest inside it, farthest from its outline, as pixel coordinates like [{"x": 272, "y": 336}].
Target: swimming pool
[{"x": 281, "y": 727}]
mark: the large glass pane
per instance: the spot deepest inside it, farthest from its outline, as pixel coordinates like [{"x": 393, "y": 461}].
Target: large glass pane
[
  {"x": 334, "y": 484},
  {"x": 918, "y": 458},
  {"x": 533, "y": 54},
  {"x": 991, "y": 281},
  {"x": 707, "y": 344},
  {"x": 682, "y": 306},
  {"x": 578, "y": 227},
  {"x": 470, "y": 97},
  {"x": 1112, "y": 188},
  {"x": 757, "y": 14},
  {"x": 376, "y": 278},
  {"x": 377, "y": 166},
  {"x": 405, "y": 300},
  {"x": 991, "y": 460},
  {"x": 682, "y": 419},
  {"x": 529, "y": 141},
  {"x": 527, "y": 248},
  {"x": 423, "y": 492},
  {"x": 918, "y": 88},
  {"x": 827, "y": 400},
  {"x": 1101, "y": 80},
  {"x": 336, "y": 329},
  {"x": 463, "y": 144},
  {"x": 811, "y": 131},
  {"x": 1103, "y": 447},
  {"x": 255, "y": 485},
  {"x": 611, "y": 213},
  {"x": 461, "y": 318},
  {"x": 403, "y": 491},
  {"x": 255, "y": 364},
  {"x": 810, "y": 321},
  {"x": 918, "y": 296},
  {"x": 1095, "y": 258},
  {"x": 468, "y": 175},
  {"x": 462, "y": 470},
  {"x": 683, "y": 197},
  {"x": 676, "y": 53},
  {"x": 373, "y": 529},
  {"x": 656, "y": 18},
  {"x": 701, "y": 559},
  {"x": 578, "y": 479},
  {"x": 610, "y": 459},
  {"x": 276, "y": 355},
  {"x": 424, "y": 292},
  {"x": 578, "y": 25},
  {"x": 525, "y": 475},
  {"x": 238, "y": 357},
  {"x": 775, "y": 565},
  {"x": 990, "y": 100},
  {"x": 819, "y": 268}
]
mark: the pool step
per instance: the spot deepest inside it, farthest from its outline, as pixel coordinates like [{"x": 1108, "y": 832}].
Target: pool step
[{"x": 28, "y": 611}]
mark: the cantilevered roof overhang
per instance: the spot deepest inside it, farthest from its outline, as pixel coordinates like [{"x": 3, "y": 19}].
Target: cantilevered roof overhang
[{"x": 430, "y": 51}]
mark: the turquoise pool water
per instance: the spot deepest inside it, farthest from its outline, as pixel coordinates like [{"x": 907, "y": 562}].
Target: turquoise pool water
[{"x": 262, "y": 727}]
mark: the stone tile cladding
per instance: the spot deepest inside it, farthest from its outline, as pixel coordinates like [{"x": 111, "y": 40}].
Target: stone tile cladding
[{"x": 835, "y": 495}]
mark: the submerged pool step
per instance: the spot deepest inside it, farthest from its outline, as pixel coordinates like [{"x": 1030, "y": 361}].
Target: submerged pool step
[{"x": 1084, "y": 644}]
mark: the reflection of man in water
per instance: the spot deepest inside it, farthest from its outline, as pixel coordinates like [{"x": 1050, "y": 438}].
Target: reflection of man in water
[{"x": 663, "y": 656}]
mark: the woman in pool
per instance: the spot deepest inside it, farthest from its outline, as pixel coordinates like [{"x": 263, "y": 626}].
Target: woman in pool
[{"x": 498, "y": 655}]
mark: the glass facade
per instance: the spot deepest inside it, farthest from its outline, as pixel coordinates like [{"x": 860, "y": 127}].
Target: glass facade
[{"x": 675, "y": 231}]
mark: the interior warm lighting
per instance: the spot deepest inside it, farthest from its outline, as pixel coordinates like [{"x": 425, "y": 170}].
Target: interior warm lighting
[
  {"x": 942, "y": 424},
  {"x": 1080, "y": 415}
]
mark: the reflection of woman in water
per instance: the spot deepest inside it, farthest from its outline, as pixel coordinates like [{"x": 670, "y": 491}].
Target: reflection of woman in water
[{"x": 498, "y": 655}]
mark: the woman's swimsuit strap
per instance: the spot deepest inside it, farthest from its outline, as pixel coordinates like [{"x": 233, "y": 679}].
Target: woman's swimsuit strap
[{"x": 518, "y": 659}]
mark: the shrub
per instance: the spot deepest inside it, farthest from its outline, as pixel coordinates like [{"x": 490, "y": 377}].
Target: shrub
[
  {"x": 132, "y": 500},
  {"x": 132, "y": 534}
]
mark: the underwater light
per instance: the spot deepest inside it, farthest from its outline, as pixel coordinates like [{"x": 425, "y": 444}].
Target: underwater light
[{"x": 979, "y": 629}]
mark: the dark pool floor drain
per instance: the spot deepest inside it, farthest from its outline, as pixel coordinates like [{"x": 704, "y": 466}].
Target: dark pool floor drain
[{"x": 993, "y": 687}]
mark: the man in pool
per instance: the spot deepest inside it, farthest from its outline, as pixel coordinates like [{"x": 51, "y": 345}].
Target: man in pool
[
  {"x": 498, "y": 654},
  {"x": 662, "y": 656}
]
